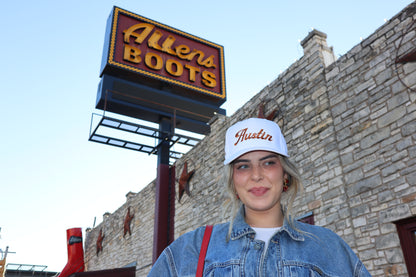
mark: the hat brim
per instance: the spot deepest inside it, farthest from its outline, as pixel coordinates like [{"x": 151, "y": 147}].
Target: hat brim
[{"x": 237, "y": 154}]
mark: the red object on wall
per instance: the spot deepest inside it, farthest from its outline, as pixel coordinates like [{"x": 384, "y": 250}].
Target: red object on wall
[
  {"x": 75, "y": 253},
  {"x": 409, "y": 57}
]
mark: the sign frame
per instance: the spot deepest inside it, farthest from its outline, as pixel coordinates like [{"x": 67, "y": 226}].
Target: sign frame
[{"x": 113, "y": 66}]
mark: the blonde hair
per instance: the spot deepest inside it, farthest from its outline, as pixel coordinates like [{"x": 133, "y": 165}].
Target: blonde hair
[{"x": 288, "y": 197}]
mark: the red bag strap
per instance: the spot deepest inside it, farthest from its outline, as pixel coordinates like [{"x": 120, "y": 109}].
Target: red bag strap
[{"x": 203, "y": 252}]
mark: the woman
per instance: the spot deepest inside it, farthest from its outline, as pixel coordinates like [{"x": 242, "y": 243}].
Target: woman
[{"x": 263, "y": 239}]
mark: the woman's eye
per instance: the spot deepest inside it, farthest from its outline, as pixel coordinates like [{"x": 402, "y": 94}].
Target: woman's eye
[
  {"x": 269, "y": 163},
  {"x": 242, "y": 166}
]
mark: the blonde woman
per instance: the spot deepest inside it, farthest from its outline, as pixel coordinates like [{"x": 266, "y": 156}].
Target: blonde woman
[{"x": 262, "y": 239}]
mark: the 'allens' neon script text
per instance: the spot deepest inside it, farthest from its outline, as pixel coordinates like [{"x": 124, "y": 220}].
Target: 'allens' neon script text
[{"x": 174, "y": 67}]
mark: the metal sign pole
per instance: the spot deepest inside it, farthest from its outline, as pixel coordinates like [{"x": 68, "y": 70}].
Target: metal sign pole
[{"x": 165, "y": 193}]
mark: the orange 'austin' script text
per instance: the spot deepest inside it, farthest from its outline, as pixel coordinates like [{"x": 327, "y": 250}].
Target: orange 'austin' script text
[{"x": 243, "y": 135}]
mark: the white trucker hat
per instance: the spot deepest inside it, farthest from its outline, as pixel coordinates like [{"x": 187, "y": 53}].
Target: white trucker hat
[{"x": 253, "y": 134}]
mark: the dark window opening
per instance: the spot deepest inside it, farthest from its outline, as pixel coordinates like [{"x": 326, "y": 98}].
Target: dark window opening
[
  {"x": 406, "y": 229},
  {"x": 307, "y": 218}
]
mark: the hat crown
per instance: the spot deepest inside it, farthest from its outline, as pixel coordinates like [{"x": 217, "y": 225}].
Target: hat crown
[{"x": 253, "y": 134}]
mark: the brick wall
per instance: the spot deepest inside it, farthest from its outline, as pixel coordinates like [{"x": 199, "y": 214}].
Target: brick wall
[{"x": 350, "y": 127}]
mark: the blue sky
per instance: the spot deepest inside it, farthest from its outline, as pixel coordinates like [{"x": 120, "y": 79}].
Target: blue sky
[{"x": 51, "y": 177}]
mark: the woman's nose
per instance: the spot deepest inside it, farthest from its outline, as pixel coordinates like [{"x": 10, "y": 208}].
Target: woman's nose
[{"x": 256, "y": 173}]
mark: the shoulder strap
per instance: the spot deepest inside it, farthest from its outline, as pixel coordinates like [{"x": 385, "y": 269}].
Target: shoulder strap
[{"x": 202, "y": 253}]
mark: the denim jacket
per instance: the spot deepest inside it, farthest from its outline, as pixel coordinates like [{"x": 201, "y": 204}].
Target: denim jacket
[{"x": 314, "y": 251}]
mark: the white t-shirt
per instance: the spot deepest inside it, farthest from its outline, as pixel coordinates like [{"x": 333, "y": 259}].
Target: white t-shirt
[{"x": 265, "y": 234}]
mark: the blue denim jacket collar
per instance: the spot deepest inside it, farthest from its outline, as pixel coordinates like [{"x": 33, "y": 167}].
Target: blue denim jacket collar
[{"x": 241, "y": 228}]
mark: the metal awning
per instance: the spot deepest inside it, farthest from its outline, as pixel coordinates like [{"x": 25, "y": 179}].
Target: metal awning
[{"x": 143, "y": 132}]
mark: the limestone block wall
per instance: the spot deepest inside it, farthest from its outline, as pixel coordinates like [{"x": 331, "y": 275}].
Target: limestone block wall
[
  {"x": 374, "y": 116},
  {"x": 350, "y": 125},
  {"x": 119, "y": 250}
]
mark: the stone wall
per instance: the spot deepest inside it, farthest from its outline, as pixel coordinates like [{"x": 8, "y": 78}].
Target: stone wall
[
  {"x": 119, "y": 250},
  {"x": 350, "y": 127}
]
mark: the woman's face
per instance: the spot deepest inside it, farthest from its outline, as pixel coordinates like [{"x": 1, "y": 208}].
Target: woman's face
[{"x": 258, "y": 180}]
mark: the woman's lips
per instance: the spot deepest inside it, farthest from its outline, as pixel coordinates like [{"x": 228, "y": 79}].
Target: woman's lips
[{"x": 258, "y": 191}]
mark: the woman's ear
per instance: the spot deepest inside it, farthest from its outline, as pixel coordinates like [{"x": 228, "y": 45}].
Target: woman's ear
[{"x": 286, "y": 181}]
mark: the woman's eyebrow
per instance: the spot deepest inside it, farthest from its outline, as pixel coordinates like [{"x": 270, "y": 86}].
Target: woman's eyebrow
[
  {"x": 241, "y": 161},
  {"x": 261, "y": 159},
  {"x": 269, "y": 156}
]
